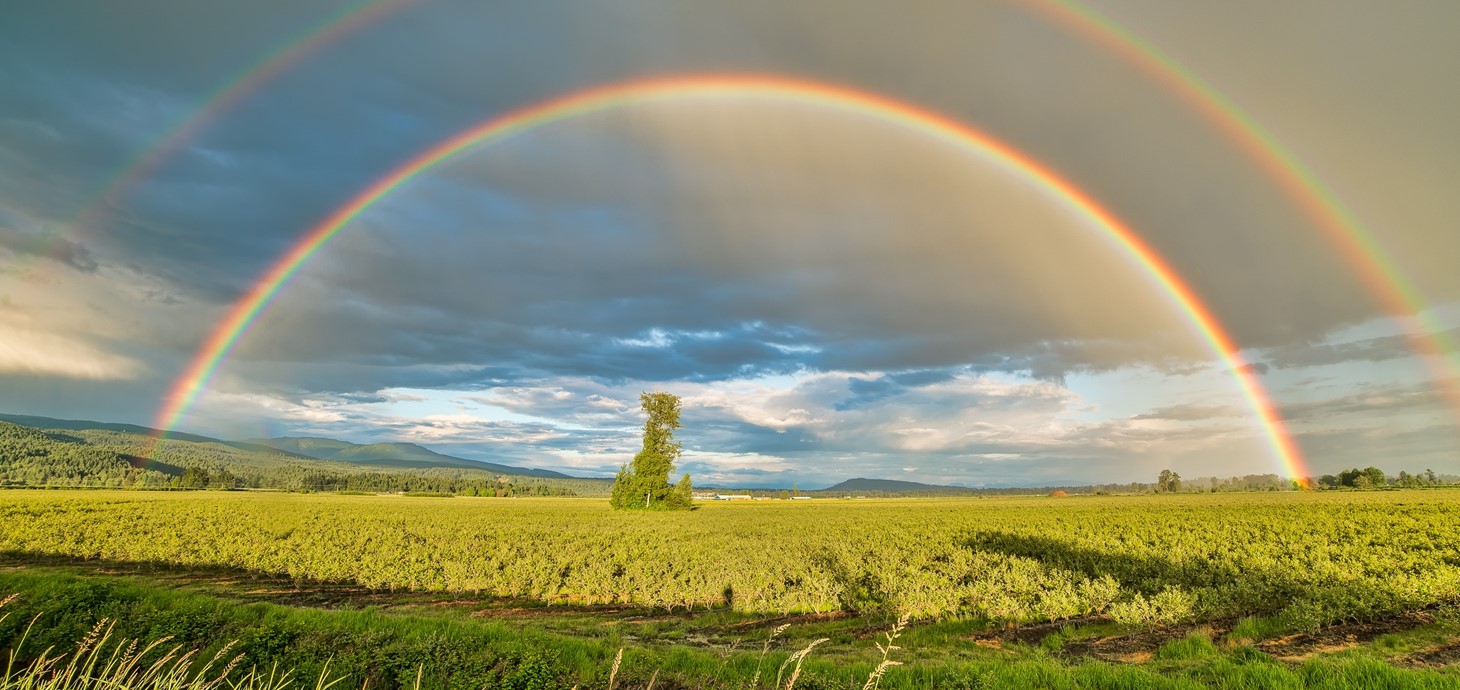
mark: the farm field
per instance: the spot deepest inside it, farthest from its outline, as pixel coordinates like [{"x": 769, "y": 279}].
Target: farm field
[
  {"x": 1305, "y": 585},
  {"x": 1312, "y": 559},
  {"x": 1164, "y": 587}
]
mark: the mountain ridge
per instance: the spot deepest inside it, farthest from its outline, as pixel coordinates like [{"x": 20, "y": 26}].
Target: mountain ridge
[
  {"x": 892, "y": 485},
  {"x": 391, "y": 455}
]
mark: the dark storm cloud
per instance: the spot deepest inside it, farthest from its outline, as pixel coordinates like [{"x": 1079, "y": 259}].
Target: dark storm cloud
[{"x": 870, "y": 391}]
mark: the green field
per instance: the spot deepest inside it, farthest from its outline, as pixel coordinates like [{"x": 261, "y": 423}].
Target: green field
[
  {"x": 1314, "y": 558},
  {"x": 1062, "y": 583}
]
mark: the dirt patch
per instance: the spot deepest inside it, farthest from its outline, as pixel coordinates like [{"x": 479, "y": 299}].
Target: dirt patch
[
  {"x": 1303, "y": 646},
  {"x": 1135, "y": 647},
  {"x": 1139, "y": 657},
  {"x": 1443, "y": 655},
  {"x": 1139, "y": 646}
]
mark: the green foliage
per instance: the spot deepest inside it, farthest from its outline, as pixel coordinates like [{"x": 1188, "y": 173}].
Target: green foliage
[
  {"x": 1168, "y": 482},
  {"x": 35, "y": 458},
  {"x": 644, "y": 483},
  {"x": 1305, "y": 560},
  {"x": 1367, "y": 478},
  {"x": 1170, "y": 605}
]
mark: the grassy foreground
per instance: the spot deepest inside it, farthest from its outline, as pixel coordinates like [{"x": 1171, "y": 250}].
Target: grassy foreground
[{"x": 285, "y": 646}]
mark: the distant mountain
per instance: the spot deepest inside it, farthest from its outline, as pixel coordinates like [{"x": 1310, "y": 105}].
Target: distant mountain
[
  {"x": 404, "y": 455},
  {"x": 319, "y": 448},
  {"x": 861, "y": 484},
  {"x": 84, "y": 425},
  {"x": 396, "y": 455}
]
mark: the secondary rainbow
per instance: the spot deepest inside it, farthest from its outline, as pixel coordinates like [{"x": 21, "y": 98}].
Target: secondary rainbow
[
  {"x": 1359, "y": 247},
  {"x": 225, "y": 97},
  {"x": 226, "y": 334}
]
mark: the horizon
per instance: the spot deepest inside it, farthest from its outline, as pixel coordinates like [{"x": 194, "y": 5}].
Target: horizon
[{"x": 792, "y": 486}]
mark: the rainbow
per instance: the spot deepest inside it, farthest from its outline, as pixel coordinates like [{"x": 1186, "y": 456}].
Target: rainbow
[
  {"x": 1360, "y": 248},
  {"x": 225, "y": 97},
  {"x": 235, "y": 324}
]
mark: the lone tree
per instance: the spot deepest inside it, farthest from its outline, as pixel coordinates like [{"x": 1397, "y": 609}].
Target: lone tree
[
  {"x": 644, "y": 483},
  {"x": 1168, "y": 482}
]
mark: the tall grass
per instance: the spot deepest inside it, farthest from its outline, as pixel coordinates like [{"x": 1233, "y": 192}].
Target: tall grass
[{"x": 100, "y": 663}]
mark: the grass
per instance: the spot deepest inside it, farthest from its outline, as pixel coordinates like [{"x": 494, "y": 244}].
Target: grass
[{"x": 271, "y": 647}]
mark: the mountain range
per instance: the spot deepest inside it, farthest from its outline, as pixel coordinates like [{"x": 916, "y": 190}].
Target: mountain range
[{"x": 384, "y": 455}]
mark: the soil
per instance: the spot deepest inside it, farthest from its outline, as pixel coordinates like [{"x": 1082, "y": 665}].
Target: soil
[
  {"x": 1443, "y": 655},
  {"x": 1139, "y": 646},
  {"x": 1301, "y": 647}
]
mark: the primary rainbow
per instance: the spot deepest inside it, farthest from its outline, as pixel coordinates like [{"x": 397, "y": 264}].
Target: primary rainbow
[
  {"x": 1363, "y": 251},
  {"x": 226, "y": 334},
  {"x": 226, "y": 96}
]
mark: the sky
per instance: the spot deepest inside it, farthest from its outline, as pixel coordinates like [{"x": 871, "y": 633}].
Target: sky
[{"x": 831, "y": 293}]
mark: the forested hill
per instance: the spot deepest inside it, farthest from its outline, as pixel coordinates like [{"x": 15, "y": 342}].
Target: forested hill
[
  {"x": 106, "y": 457},
  {"x": 391, "y": 455},
  {"x": 33, "y": 457}
]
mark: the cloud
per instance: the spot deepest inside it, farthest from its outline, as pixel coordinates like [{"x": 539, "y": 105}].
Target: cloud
[
  {"x": 1391, "y": 449},
  {"x": 1259, "y": 368},
  {"x": 26, "y": 351},
  {"x": 1372, "y": 401},
  {"x": 1365, "y": 350},
  {"x": 1190, "y": 412},
  {"x": 30, "y": 244}
]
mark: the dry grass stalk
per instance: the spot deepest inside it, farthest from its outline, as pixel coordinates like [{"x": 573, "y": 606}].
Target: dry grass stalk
[
  {"x": 613, "y": 673},
  {"x": 763, "y": 650},
  {"x": 875, "y": 678},
  {"x": 798, "y": 657}
]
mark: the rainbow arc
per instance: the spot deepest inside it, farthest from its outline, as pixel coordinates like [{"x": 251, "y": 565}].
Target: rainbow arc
[{"x": 225, "y": 336}]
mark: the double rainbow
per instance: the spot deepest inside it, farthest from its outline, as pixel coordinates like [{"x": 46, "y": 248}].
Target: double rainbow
[{"x": 226, "y": 334}]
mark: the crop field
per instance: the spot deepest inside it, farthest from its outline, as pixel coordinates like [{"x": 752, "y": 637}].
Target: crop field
[{"x": 1306, "y": 560}]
